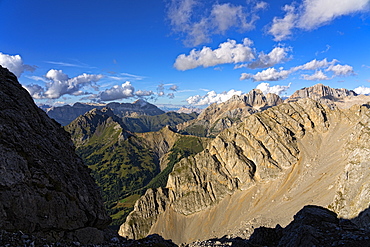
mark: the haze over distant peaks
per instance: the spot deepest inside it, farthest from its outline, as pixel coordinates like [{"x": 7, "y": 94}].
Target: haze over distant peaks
[{"x": 66, "y": 114}]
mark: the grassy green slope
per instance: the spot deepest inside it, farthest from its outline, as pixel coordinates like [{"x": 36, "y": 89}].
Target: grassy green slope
[{"x": 123, "y": 164}]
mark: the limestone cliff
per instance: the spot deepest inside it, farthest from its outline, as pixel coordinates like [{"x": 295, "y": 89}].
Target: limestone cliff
[
  {"x": 261, "y": 171},
  {"x": 218, "y": 117},
  {"x": 320, "y": 91},
  {"x": 45, "y": 188},
  {"x": 333, "y": 97}
]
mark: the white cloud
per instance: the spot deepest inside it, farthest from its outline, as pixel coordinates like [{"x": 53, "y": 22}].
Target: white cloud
[
  {"x": 261, "y": 5},
  {"x": 228, "y": 52},
  {"x": 36, "y": 91},
  {"x": 276, "y": 56},
  {"x": 126, "y": 90},
  {"x": 212, "y": 97},
  {"x": 270, "y": 74},
  {"x": 362, "y": 90},
  {"x": 341, "y": 70},
  {"x": 61, "y": 84},
  {"x": 320, "y": 12},
  {"x": 58, "y": 84},
  {"x": 14, "y": 64},
  {"x": 174, "y": 88},
  {"x": 315, "y": 64},
  {"x": 141, "y": 93},
  {"x": 312, "y": 14},
  {"x": 198, "y": 22},
  {"x": 277, "y": 89},
  {"x": 318, "y": 76},
  {"x": 226, "y": 16},
  {"x": 180, "y": 12},
  {"x": 281, "y": 28}
]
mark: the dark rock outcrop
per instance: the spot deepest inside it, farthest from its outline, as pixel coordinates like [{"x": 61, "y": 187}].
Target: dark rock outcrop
[
  {"x": 312, "y": 226},
  {"x": 45, "y": 189}
]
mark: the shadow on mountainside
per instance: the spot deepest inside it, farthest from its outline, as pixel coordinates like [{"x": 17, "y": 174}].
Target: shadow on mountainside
[{"x": 312, "y": 226}]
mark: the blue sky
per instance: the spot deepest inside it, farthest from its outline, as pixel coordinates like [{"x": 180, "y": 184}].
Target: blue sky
[{"x": 183, "y": 52}]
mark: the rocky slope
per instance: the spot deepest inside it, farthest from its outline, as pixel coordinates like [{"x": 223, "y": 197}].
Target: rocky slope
[
  {"x": 66, "y": 114},
  {"x": 278, "y": 160},
  {"x": 218, "y": 117},
  {"x": 45, "y": 189}
]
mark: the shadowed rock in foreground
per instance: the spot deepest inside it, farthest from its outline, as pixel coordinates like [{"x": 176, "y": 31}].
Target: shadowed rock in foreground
[
  {"x": 45, "y": 189},
  {"x": 312, "y": 226}
]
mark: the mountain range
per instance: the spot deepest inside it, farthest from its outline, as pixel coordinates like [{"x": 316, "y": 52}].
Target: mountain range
[
  {"x": 254, "y": 163},
  {"x": 258, "y": 172}
]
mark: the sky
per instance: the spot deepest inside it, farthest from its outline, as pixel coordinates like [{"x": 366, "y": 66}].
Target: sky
[{"x": 183, "y": 52}]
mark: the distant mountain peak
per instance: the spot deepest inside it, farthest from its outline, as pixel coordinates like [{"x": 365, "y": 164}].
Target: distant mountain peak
[
  {"x": 319, "y": 91},
  {"x": 140, "y": 102}
]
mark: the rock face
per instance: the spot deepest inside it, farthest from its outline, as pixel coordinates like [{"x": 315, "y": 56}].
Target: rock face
[
  {"x": 218, "y": 117},
  {"x": 332, "y": 97},
  {"x": 66, "y": 114},
  {"x": 277, "y": 160},
  {"x": 45, "y": 188},
  {"x": 320, "y": 91}
]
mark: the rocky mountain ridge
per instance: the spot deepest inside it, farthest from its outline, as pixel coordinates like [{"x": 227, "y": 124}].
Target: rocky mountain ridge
[
  {"x": 218, "y": 117},
  {"x": 66, "y": 114},
  {"x": 312, "y": 153}
]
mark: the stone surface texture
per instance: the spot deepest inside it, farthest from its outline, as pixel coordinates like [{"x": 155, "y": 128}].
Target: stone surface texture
[{"x": 44, "y": 186}]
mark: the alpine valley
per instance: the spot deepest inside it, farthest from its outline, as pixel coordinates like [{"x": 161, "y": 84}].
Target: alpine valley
[{"x": 255, "y": 170}]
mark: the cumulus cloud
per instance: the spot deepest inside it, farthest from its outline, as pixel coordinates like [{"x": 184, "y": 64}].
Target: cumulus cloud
[
  {"x": 270, "y": 74},
  {"x": 58, "y": 84},
  {"x": 281, "y": 28},
  {"x": 276, "y": 56},
  {"x": 61, "y": 84},
  {"x": 36, "y": 91},
  {"x": 126, "y": 90},
  {"x": 228, "y": 52},
  {"x": 341, "y": 70},
  {"x": 14, "y": 64},
  {"x": 212, "y": 97},
  {"x": 198, "y": 23},
  {"x": 317, "y": 76},
  {"x": 312, "y": 14},
  {"x": 315, "y": 64},
  {"x": 331, "y": 67},
  {"x": 261, "y": 5},
  {"x": 320, "y": 12},
  {"x": 277, "y": 89},
  {"x": 362, "y": 90},
  {"x": 226, "y": 16},
  {"x": 142, "y": 93}
]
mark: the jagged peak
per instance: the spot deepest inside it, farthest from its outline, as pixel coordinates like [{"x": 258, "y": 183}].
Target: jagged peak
[
  {"x": 321, "y": 91},
  {"x": 140, "y": 102}
]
